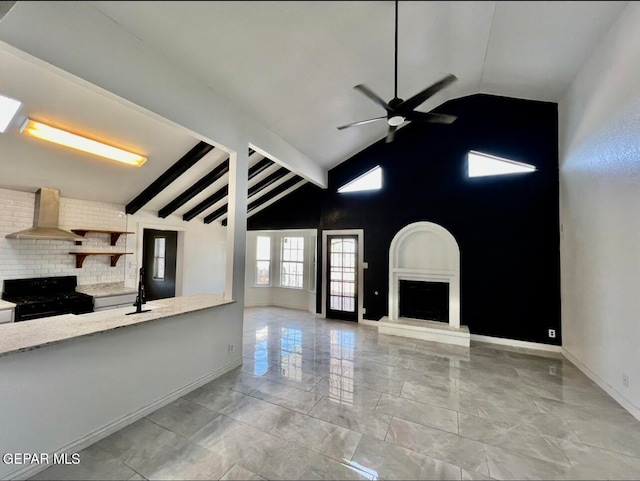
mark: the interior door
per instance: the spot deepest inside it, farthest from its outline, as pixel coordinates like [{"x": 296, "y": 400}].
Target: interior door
[
  {"x": 342, "y": 277},
  {"x": 159, "y": 254}
]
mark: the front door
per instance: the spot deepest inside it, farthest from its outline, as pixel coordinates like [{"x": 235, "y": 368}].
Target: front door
[
  {"x": 159, "y": 254},
  {"x": 342, "y": 277}
]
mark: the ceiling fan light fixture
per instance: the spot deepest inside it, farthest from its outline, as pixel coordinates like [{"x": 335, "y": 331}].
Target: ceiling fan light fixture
[
  {"x": 396, "y": 120},
  {"x": 78, "y": 142}
]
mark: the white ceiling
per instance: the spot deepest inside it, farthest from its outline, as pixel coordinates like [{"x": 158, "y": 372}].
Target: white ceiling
[{"x": 292, "y": 66}]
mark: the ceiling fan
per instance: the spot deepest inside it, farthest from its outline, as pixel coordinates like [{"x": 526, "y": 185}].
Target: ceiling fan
[{"x": 398, "y": 110}]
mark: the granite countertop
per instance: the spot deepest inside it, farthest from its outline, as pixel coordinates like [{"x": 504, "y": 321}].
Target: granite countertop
[
  {"x": 6, "y": 305},
  {"x": 27, "y": 335},
  {"x": 106, "y": 289}
]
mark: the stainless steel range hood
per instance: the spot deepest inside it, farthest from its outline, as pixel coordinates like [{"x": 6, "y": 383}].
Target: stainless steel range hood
[{"x": 45, "y": 219}]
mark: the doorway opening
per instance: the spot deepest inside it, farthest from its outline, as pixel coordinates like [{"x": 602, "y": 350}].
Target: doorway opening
[{"x": 159, "y": 254}]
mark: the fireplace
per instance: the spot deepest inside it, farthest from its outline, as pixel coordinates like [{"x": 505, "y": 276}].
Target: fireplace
[
  {"x": 424, "y": 300},
  {"x": 428, "y": 253},
  {"x": 424, "y": 286}
]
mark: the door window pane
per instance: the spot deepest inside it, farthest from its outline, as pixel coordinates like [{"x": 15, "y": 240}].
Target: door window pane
[{"x": 159, "y": 257}]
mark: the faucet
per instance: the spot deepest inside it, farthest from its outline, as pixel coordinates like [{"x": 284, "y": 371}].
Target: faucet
[{"x": 141, "y": 298}]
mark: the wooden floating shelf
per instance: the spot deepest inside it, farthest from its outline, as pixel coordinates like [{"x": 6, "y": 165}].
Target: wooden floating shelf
[
  {"x": 81, "y": 256},
  {"x": 115, "y": 234}
]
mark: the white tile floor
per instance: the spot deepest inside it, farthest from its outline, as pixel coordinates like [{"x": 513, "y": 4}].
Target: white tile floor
[{"x": 320, "y": 399}]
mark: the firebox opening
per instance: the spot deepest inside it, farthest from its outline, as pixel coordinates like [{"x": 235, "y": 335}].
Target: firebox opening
[{"x": 424, "y": 300}]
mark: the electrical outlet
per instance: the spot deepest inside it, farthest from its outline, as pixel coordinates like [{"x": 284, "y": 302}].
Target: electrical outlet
[
  {"x": 364, "y": 310},
  {"x": 625, "y": 380},
  {"x": 552, "y": 333},
  {"x": 232, "y": 347},
  {"x": 552, "y": 370}
]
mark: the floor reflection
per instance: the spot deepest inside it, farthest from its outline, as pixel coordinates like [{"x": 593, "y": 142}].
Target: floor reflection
[
  {"x": 421, "y": 410},
  {"x": 342, "y": 352},
  {"x": 261, "y": 352},
  {"x": 368, "y": 473},
  {"x": 291, "y": 353}
]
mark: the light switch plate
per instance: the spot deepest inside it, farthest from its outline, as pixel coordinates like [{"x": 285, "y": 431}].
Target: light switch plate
[{"x": 365, "y": 265}]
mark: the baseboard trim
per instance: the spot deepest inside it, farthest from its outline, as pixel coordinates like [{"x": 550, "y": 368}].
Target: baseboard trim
[
  {"x": 608, "y": 388},
  {"x": 103, "y": 432},
  {"x": 297, "y": 307},
  {"x": 515, "y": 343},
  {"x": 367, "y": 322}
]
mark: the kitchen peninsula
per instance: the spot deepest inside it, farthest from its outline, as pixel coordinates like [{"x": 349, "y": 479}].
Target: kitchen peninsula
[
  {"x": 23, "y": 336},
  {"x": 104, "y": 370}
]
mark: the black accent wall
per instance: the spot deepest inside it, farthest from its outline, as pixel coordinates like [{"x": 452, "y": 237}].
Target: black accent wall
[{"x": 507, "y": 227}]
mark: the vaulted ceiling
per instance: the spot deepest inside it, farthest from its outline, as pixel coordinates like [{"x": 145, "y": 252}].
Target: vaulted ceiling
[{"x": 292, "y": 66}]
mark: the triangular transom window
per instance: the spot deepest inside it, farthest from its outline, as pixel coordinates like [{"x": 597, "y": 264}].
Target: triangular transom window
[
  {"x": 370, "y": 180},
  {"x": 482, "y": 165}
]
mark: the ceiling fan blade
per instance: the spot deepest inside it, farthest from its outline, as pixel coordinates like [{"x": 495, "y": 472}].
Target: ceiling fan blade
[
  {"x": 421, "y": 97},
  {"x": 432, "y": 117},
  {"x": 362, "y": 122},
  {"x": 391, "y": 135},
  {"x": 372, "y": 95}
]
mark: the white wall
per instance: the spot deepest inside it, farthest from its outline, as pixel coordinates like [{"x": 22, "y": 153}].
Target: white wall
[
  {"x": 273, "y": 295},
  {"x": 201, "y": 252},
  {"x": 599, "y": 203},
  {"x": 201, "y": 267},
  {"x": 20, "y": 258}
]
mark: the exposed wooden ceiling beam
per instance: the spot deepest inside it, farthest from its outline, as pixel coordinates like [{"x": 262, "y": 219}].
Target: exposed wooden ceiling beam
[
  {"x": 273, "y": 195},
  {"x": 187, "y": 161},
  {"x": 259, "y": 167},
  {"x": 278, "y": 190},
  {"x": 268, "y": 189},
  {"x": 267, "y": 181},
  {"x": 207, "y": 203},
  {"x": 276, "y": 198},
  {"x": 195, "y": 189},
  {"x": 215, "y": 214}
]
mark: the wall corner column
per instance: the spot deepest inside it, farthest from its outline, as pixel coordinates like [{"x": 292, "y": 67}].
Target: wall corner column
[{"x": 237, "y": 225}]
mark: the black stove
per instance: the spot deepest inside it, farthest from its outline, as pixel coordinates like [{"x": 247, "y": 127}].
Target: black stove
[{"x": 45, "y": 297}]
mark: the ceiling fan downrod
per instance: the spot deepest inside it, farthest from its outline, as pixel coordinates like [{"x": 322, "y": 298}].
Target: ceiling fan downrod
[
  {"x": 399, "y": 111},
  {"x": 395, "y": 65}
]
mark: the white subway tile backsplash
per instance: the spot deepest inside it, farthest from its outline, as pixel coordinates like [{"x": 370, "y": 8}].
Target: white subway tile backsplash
[{"x": 40, "y": 258}]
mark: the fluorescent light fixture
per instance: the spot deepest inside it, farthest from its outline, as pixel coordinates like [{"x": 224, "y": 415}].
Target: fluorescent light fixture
[
  {"x": 8, "y": 108},
  {"x": 483, "y": 165},
  {"x": 370, "y": 180},
  {"x": 62, "y": 137}
]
